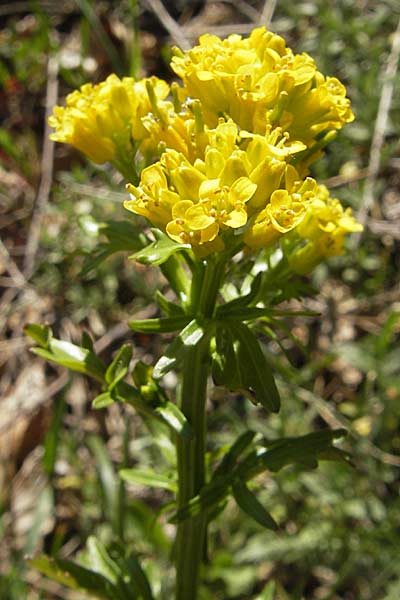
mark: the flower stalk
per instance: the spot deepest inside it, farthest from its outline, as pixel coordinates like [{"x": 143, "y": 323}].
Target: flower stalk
[{"x": 191, "y": 533}]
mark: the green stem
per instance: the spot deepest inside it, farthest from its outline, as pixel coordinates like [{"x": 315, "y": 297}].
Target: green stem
[{"x": 191, "y": 533}]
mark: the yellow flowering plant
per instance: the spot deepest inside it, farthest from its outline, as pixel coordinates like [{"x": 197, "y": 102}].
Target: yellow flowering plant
[{"x": 218, "y": 167}]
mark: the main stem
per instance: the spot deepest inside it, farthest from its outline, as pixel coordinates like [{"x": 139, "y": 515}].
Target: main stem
[{"x": 190, "y": 540}]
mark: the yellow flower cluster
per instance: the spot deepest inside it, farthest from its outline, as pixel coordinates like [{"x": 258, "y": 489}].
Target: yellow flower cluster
[
  {"x": 258, "y": 81},
  {"x": 102, "y": 120},
  {"x": 236, "y": 183},
  {"x": 324, "y": 227},
  {"x": 234, "y": 143}
]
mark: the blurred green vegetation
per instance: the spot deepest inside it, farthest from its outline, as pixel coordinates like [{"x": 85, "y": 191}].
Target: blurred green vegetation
[{"x": 338, "y": 535}]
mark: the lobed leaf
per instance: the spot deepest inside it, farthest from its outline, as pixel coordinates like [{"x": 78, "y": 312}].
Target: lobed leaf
[{"x": 240, "y": 365}]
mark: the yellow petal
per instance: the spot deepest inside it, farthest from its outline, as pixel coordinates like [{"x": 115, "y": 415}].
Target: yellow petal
[
  {"x": 242, "y": 190},
  {"x": 179, "y": 209},
  {"x": 237, "y": 218},
  {"x": 197, "y": 218}
]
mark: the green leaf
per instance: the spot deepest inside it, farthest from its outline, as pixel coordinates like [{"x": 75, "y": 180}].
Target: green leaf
[
  {"x": 244, "y": 313},
  {"x": 240, "y": 365},
  {"x": 123, "y": 236},
  {"x": 230, "y": 458},
  {"x": 159, "y": 251},
  {"x": 161, "y": 325},
  {"x": 268, "y": 592},
  {"x": 190, "y": 336},
  {"x": 255, "y": 372},
  {"x": 119, "y": 366},
  {"x": 107, "y": 477},
  {"x": 73, "y": 357},
  {"x": 138, "y": 577},
  {"x": 40, "y": 333},
  {"x": 166, "y": 412},
  {"x": 142, "y": 373},
  {"x": 385, "y": 337},
  {"x": 148, "y": 478},
  {"x": 242, "y": 301},
  {"x": 86, "y": 341},
  {"x": 247, "y": 501},
  {"x": 169, "y": 308},
  {"x": 209, "y": 496},
  {"x": 133, "y": 574},
  {"x": 75, "y": 577},
  {"x": 102, "y": 401},
  {"x": 225, "y": 368},
  {"x": 304, "y": 451},
  {"x": 101, "y": 562},
  {"x": 174, "y": 417}
]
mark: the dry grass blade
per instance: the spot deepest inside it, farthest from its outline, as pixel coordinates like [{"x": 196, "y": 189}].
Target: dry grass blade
[
  {"x": 174, "y": 30},
  {"x": 32, "y": 244},
  {"x": 380, "y": 129},
  {"x": 267, "y": 12},
  {"x": 15, "y": 274}
]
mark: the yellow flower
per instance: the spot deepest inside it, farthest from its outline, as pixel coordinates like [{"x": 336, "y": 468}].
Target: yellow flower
[
  {"x": 103, "y": 121},
  {"x": 285, "y": 211},
  {"x": 324, "y": 227},
  {"x": 258, "y": 81},
  {"x": 177, "y": 125}
]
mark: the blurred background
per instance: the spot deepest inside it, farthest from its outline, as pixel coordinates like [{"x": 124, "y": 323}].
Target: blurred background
[{"x": 339, "y": 536}]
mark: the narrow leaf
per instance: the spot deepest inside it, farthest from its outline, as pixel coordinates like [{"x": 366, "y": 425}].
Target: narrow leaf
[
  {"x": 169, "y": 308},
  {"x": 247, "y": 501},
  {"x": 107, "y": 477},
  {"x": 242, "y": 301},
  {"x": 190, "y": 336},
  {"x": 86, "y": 341},
  {"x": 148, "y": 478},
  {"x": 225, "y": 368},
  {"x": 75, "y": 577},
  {"x": 159, "y": 251},
  {"x": 174, "y": 417},
  {"x": 230, "y": 458},
  {"x": 161, "y": 325},
  {"x": 255, "y": 373},
  {"x": 101, "y": 562},
  {"x": 167, "y": 412},
  {"x": 119, "y": 366},
  {"x": 102, "y": 401},
  {"x": 138, "y": 577},
  {"x": 206, "y": 500},
  {"x": 40, "y": 333},
  {"x": 73, "y": 357}
]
